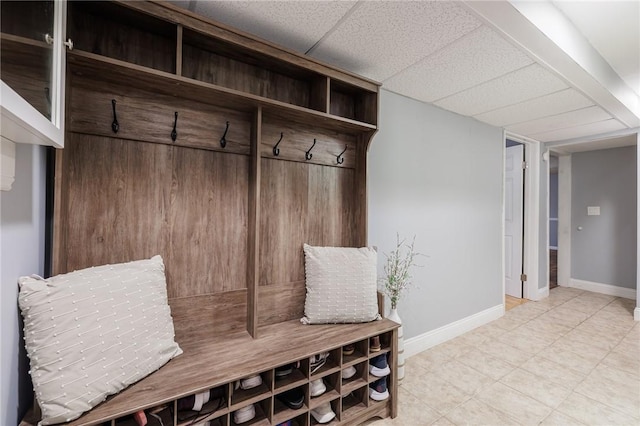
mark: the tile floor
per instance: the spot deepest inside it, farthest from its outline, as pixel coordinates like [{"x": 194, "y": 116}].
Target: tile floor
[{"x": 570, "y": 359}]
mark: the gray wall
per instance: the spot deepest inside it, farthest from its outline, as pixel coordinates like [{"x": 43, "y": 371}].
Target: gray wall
[
  {"x": 605, "y": 250},
  {"x": 439, "y": 176},
  {"x": 22, "y": 212}
]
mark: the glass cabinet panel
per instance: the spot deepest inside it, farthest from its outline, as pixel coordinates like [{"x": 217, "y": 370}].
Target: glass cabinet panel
[{"x": 32, "y": 67}]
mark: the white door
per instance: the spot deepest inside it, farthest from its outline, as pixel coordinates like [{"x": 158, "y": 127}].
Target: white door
[{"x": 513, "y": 220}]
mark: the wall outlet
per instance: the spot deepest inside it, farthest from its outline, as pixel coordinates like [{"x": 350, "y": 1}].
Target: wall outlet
[{"x": 593, "y": 211}]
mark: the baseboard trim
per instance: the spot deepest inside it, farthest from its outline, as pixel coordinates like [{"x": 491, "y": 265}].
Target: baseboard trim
[
  {"x": 636, "y": 314},
  {"x": 611, "y": 290},
  {"x": 543, "y": 292},
  {"x": 421, "y": 343}
]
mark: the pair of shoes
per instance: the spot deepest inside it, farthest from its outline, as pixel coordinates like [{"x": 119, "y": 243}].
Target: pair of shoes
[
  {"x": 244, "y": 414},
  {"x": 284, "y": 370},
  {"x": 293, "y": 398},
  {"x": 317, "y": 388},
  {"x": 287, "y": 423},
  {"x": 318, "y": 361},
  {"x": 349, "y": 349},
  {"x": 378, "y": 366},
  {"x": 374, "y": 344},
  {"x": 323, "y": 413},
  {"x": 378, "y": 390},
  {"x": 251, "y": 382},
  {"x": 348, "y": 372}
]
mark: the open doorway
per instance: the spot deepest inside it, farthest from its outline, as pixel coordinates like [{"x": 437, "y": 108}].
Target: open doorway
[
  {"x": 514, "y": 219},
  {"x": 553, "y": 221}
]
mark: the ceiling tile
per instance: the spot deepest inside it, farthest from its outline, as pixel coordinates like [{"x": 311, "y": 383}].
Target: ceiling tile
[
  {"x": 543, "y": 106},
  {"x": 579, "y": 131},
  {"x": 379, "y": 39},
  {"x": 297, "y": 25},
  {"x": 526, "y": 83},
  {"x": 560, "y": 121},
  {"x": 479, "y": 56}
]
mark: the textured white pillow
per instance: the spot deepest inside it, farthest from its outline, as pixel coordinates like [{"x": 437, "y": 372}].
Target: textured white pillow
[
  {"x": 341, "y": 285},
  {"x": 93, "y": 332}
]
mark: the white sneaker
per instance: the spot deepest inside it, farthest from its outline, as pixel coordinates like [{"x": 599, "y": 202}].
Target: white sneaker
[
  {"x": 244, "y": 414},
  {"x": 251, "y": 382},
  {"x": 348, "y": 372},
  {"x": 323, "y": 413},
  {"x": 317, "y": 388}
]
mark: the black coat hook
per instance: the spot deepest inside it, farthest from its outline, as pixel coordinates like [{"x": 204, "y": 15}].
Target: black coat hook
[
  {"x": 174, "y": 132},
  {"x": 276, "y": 150},
  {"x": 340, "y": 158},
  {"x": 115, "y": 126},
  {"x": 223, "y": 139},
  {"x": 308, "y": 154}
]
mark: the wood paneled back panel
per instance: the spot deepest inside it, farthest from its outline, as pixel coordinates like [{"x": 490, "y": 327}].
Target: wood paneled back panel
[
  {"x": 297, "y": 139},
  {"x": 124, "y": 200},
  {"x": 207, "y": 66},
  {"x": 150, "y": 117},
  {"x": 132, "y": 37},
  {"x": 300, "y": 203}
]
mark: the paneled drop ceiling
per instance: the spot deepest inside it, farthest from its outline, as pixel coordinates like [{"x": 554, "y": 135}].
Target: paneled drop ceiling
[{"x": 547, "y": 70}]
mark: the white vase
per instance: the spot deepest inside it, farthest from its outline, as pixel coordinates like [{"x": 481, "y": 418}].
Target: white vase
[{"x": 393, "y": 316}]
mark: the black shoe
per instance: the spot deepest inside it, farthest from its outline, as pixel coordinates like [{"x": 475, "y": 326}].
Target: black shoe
[{"x": 293, "y": 398}]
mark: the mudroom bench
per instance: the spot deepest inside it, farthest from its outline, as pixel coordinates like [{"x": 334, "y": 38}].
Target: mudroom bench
[{"x": 220, "y": 362}]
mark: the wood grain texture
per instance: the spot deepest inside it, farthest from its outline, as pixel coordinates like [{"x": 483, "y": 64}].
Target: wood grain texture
[
  {"x": 116, "y": 198},
  {"x": 223, "y": 359},
  {"x": 283, "y": 221},
  {"x": 253, "y": 244},
  {"x": 208, "y": 222},
  {"x": 149, "y": 117},
  {"x": 203, "y": 65},
  {"x": 198, "y": 318},
  {"x": 123, "y": 73},
  {"x": 297, "y": 139},
  {"x": 246, "y": 41},
  {"x": 25, "y": 65},
  {"x": 320, "y": 94},
  {"x": 31, "y": 19},
  {"x": 111, "y": 30},
  {"x": 281, "y": 302}
]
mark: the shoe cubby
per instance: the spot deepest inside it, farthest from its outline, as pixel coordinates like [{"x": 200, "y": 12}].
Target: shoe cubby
[
  {"x": 282, "y": 408},
  {"x": 242, "y": 395},
  {"x": 354, "y": 403},
  {"x": 331, "y": 365},
  {"x": 297, "y": 377},
  {"x": 332, "y": 385},
  {"x": 215, "y": 408},
  {"x": 385, "y": 345},
  {"x": 360, "y": 351},
  {"x": 335, "y": 408},
  {"x": 357, "y": 380},
  {"x": 119, "y": 32},
  {"x": 261, "y": 410},
  {"x": 162, "y": 415}
]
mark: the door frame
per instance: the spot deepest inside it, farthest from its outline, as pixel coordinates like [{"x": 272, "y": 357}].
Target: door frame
[{"x": 531, "y": 237}]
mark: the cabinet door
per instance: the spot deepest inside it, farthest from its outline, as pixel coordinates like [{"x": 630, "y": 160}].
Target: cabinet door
[{"x": 32, "y": 60}]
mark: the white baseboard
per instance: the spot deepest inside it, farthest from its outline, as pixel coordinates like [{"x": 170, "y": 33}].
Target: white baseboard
[
  {"x": 636, "y": 314},
  {"x": 543, "y": 292},
  {"x": 420, "y": 343},
  {"x": 611, "y": 290}
]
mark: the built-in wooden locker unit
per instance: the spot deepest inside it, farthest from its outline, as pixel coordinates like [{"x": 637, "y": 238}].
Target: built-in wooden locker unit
[{"x": 224, "y": 154}]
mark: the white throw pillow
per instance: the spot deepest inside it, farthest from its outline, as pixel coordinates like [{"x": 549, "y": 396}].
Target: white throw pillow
[
  {"x": 93, "y": 332},
  {"x": 341, "y": 285}
]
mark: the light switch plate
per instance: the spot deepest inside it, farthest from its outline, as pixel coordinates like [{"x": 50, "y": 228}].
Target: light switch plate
[{"x": 593, "y": 211}]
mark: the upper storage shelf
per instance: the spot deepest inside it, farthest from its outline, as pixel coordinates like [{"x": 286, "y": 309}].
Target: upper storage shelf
[{"x": 167, "y": 48}]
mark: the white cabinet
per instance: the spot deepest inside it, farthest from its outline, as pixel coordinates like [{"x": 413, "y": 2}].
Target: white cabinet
[{"x": 32, "y": 70}]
